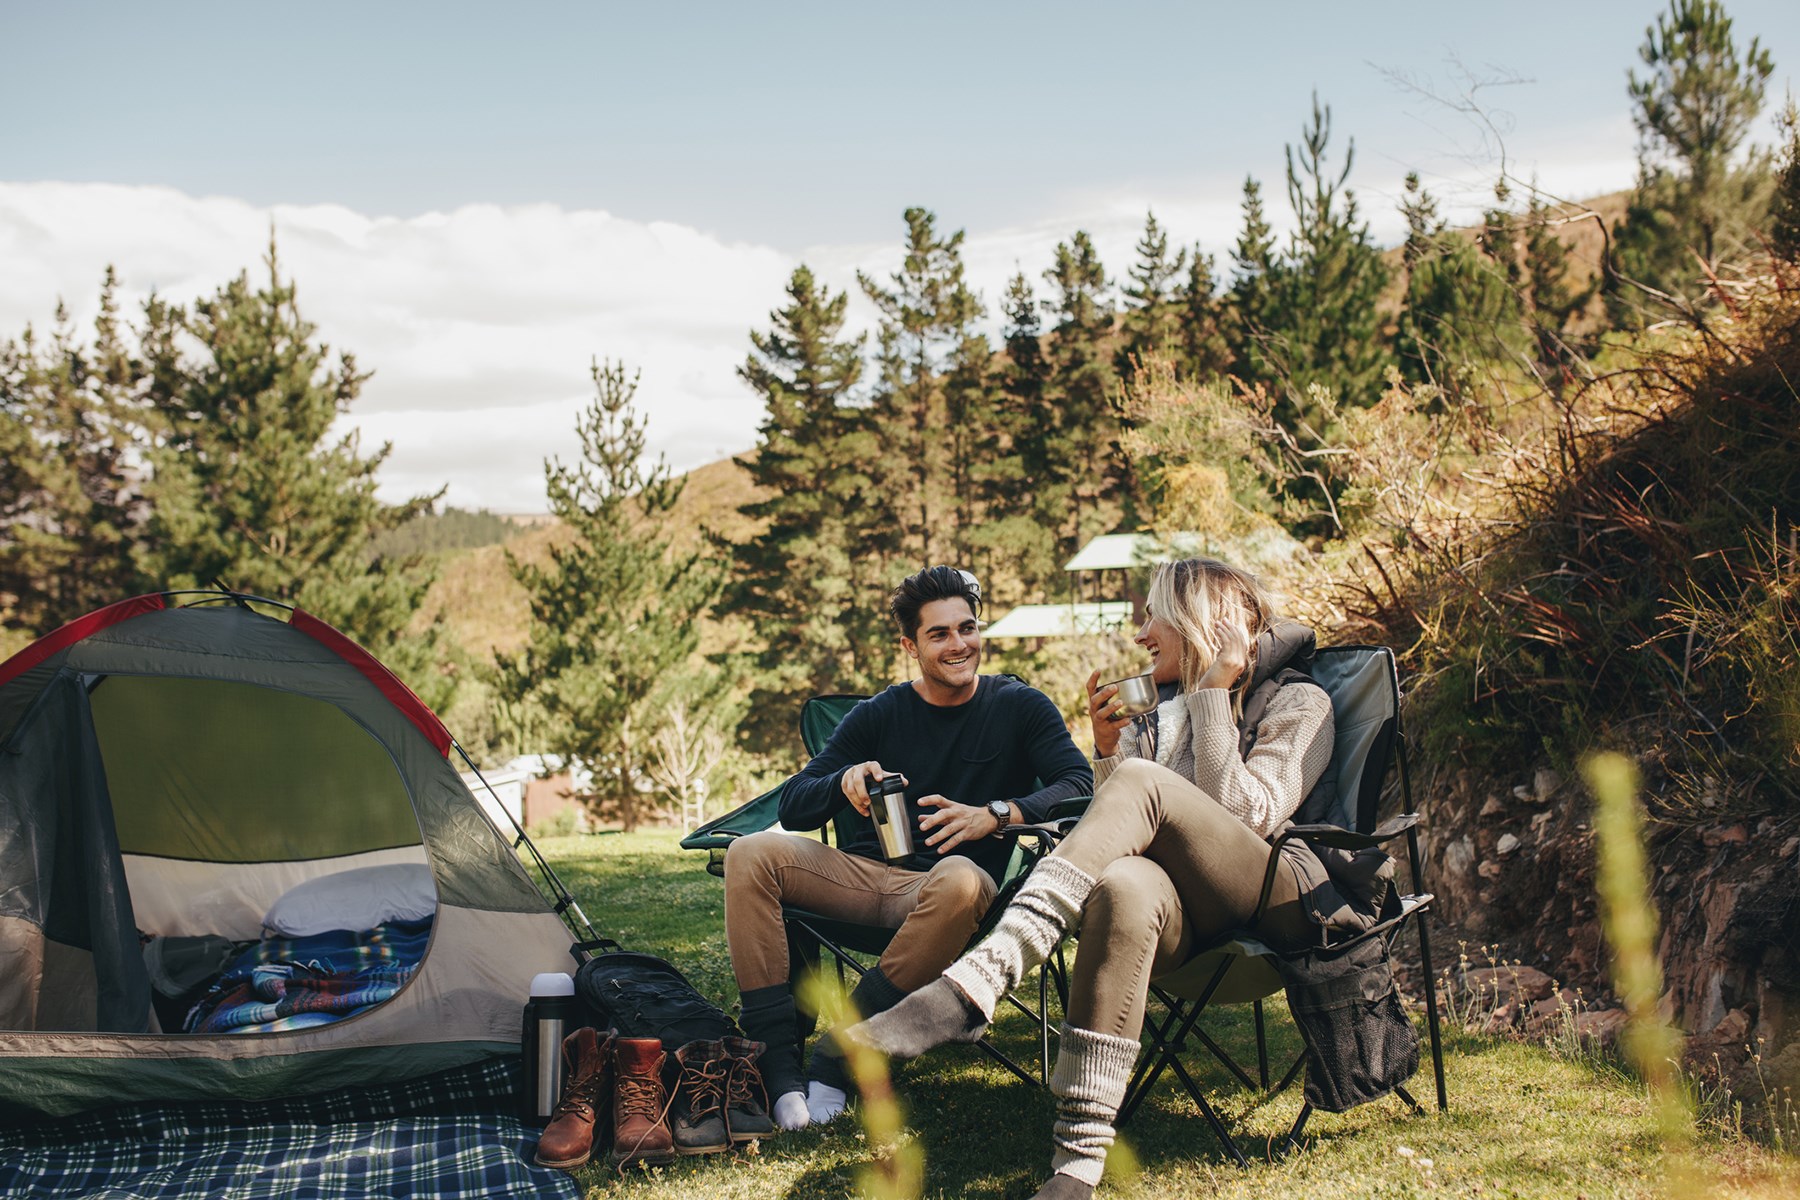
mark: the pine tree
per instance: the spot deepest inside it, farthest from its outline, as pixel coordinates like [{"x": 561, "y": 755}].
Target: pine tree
[
  {"x": 1784, "y": 215},
  {"x": 1151, "y": 317},
  {"x": 1693, "y": 109},
  {"x": 1256, "y": 282},
  {"x": 1459, "y": 311},
  {"x": 1205, "y": 350},
  {"x": 1017, "y": 479},
  {"x": 805, "y": 581},
  {"x": 1326, "y": 328},
  {"x": 250, "y": 487},
  {"x": 927, "y": 312},
  {"x": 615, "y": 611},
  {"x": 68, "y": 513},
  {"x": 1089, "y": 465}
]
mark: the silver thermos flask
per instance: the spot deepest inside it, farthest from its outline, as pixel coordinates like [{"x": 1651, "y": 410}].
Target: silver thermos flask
[{"x": 550, "y": 1016}]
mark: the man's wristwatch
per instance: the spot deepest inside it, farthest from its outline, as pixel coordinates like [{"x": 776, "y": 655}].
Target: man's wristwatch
[{"x": 1002, "y": 810}]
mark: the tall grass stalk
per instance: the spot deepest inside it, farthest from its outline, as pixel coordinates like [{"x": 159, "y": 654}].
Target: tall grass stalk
[{"x": 1629, "y": 921}]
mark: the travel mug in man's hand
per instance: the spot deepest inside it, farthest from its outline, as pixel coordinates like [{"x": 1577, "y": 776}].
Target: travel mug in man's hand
[{"x": 893, "y": 825}]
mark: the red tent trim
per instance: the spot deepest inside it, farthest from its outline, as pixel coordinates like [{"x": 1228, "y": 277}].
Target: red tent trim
[
  {"x": 58, "y": 640},
  {"x": 390, "y": 685}
]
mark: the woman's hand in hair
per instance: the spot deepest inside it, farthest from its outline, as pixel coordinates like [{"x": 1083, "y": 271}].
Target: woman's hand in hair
[
  {"x": 1233, "y": 659},
  {"x": 1104, "y": 715}
]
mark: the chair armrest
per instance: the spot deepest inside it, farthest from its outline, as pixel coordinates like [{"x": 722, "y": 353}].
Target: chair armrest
[
  {"x": 1074, "y": 806},
  {"x": 1046, "y": 836},
  {"x": 1344, "y": 839},
  {"x": 712, "y": 839}
]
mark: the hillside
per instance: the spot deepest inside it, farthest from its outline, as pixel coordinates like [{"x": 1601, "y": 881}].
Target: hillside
[{"x": 476, "y": 600}]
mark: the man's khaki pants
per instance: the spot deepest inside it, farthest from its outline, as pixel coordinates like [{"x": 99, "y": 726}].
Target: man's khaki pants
[{"x": 935, "y": 911}]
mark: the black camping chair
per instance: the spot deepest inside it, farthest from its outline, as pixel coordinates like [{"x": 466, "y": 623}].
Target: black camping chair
[
  {"x": 1365, "y": 694},
  {"x": 811, "y": 935}
]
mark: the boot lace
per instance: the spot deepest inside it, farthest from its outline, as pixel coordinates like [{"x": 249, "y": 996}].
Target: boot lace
[
  {"x": 580, "y": 1095},
  {"x": 639, "y": 1096},
  {"x": 745, "y": 1076},
  {"x": 704, "y": 1083}
]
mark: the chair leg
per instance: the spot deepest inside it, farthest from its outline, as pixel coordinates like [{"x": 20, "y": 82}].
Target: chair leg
[
  {"x": 1291, "y": 1142},
  {"x": 1206, "y": 1110},
  {"x": 1262, "y": 1047},
  {"x": 1431, "y": 1010}
]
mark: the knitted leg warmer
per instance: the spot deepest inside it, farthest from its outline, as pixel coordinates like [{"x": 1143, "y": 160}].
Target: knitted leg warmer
[
  {"x": 1089, "y": 1080},
  {"x": 1027, "y": 934}
]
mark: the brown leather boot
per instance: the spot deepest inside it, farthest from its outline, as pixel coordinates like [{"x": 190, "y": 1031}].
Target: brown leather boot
[
  {"x": 746, "y": 1099},
  {"x": 568, "y": 1140},
  {"x": 699, "y": 1125},
  {"x": 640, "y": 1103}
]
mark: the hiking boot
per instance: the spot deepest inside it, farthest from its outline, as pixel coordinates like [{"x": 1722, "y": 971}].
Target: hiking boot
[
  {"x": 568, "y": 1140},
  {"x": 746, "y": 1099},
  {"x": 699, "y": 1126},
  {"x": 640, "y": 1103}
]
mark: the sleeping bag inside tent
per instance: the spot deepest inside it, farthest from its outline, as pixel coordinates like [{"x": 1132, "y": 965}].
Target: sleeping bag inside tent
[{"x": 235, "y": 860}]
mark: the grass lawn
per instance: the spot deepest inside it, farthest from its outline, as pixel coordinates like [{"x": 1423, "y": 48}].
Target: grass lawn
[{"x": 1523, "y": 1122}]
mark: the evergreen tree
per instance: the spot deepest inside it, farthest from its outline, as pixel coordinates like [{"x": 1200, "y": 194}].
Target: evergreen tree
[
  {"x": 1089, "y": 465},
  {"x": 1326, "y": 328},
  {"x": 68, "y": 514},
  {"x": 1151, "y": 318},
  {"x": 1535, "y": 263},
  {"x": 249, "y": 486},
  {"x": 1205, "y": 350},
  {"x": 927, "y": 312},
  {"x": 804, "y": 582},
  {"x": 1255, "y": 284},
  {"x": 1459, "y": 311},
  {"x": 1784, "y": 216},
  {"x": 1693, "y": 109},
  {"x": 615, "y": 611},
  {"x": 1017, "y": 478}
]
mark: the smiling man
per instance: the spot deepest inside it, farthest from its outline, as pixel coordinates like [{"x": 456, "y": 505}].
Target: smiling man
[{"x": 978, "y": 753}]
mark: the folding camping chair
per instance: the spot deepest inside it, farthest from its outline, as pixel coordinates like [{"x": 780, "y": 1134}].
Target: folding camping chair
[
  {"x": 810, "y": 934},
  {"x": 1365, "y": 695}
]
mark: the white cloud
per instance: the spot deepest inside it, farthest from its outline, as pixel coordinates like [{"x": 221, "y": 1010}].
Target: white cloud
[{"x": 479, "y": 324}]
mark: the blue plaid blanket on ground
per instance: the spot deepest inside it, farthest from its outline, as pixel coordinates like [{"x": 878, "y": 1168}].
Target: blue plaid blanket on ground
[{"x": 449, "y": 1137}]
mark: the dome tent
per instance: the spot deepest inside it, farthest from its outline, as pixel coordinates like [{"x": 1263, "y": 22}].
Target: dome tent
[{"x": 171, "y": 771}]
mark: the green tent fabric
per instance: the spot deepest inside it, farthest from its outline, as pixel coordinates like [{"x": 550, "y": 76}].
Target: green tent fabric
[{"x": 169, "y": 773}]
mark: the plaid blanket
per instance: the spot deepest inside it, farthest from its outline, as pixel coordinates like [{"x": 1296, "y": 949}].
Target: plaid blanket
[
  {"x": 289, "y": 983},
  {"x": 448, "y": 1137}
]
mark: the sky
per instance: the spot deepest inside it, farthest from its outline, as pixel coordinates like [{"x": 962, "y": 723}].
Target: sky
[{"x": 479, "y": 200}]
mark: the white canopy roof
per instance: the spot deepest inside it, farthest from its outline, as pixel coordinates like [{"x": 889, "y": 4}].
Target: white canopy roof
[
  {"x": 1114, "y": 551},
  {"x": 1061, "y": 620}
]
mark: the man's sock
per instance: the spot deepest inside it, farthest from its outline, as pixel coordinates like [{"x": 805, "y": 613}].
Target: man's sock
[
  {"x": 791, "y": 1111},
  {"x": 825, "y": 1103},
  {"x": 768, "y": 1016}
]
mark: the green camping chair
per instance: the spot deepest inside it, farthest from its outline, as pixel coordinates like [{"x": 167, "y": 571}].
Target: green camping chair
[
  {"x": 1364, "y": 687},
  {"x": 811, "y": 935}
]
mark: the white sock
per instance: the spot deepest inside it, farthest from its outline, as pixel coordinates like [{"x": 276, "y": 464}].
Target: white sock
[
  {"x": 790, "y": 1111},
  {"x": 824, "y": 1102}
]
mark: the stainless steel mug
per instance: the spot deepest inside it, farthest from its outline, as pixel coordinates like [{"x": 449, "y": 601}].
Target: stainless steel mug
[{"x": 893, "y": 824}]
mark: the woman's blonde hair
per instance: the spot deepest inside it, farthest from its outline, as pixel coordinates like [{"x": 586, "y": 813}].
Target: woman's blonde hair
[{"x": 1196, "y": 596}]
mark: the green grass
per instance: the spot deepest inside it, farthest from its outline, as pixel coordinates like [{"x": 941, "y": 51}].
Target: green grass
[{"x": 1523, "y": 1121}]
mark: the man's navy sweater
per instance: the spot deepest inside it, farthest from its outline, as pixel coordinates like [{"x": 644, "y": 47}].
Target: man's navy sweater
[{"x": 1007, "y": 742}]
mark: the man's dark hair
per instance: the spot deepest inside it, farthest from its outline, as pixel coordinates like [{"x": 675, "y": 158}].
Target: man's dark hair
[{"x": 933, "y": 583}]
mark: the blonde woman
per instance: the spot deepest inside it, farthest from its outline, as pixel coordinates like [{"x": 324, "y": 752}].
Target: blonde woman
[{"x": 1171, "y": 853}]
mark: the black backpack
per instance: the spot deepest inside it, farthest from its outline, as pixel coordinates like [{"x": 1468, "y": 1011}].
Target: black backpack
[
  {"x": 1360, "y": 1045},
  {"x": 642, "y": 995}
]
